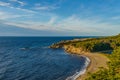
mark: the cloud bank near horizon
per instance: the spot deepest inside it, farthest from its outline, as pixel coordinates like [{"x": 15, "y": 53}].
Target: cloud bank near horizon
[{"x": 61, "y": 18}]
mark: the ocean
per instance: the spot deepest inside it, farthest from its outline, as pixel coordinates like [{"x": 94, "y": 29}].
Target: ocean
[{"x": 29, "y": 58}]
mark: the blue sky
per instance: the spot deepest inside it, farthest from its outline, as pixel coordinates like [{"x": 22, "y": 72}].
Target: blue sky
[{"x": 59, "y": 17}]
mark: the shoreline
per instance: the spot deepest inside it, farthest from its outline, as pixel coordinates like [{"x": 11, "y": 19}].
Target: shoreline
[
  {"x": 97, "y": 60},
  {"x": 82, "y": 71}
]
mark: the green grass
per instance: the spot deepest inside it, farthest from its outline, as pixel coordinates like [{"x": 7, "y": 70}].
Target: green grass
[
  {"x": 113, "y": 71},
  {"x": 98, "y": 44},
  {"x": 101, "y": 44}
]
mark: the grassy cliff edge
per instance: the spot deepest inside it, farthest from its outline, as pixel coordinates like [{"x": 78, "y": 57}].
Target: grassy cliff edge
[{"x": 100, "y": 64}]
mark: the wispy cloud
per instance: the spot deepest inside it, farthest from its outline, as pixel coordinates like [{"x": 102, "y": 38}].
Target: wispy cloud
[
  {"x": 6, "y": 16},
  {"x": 33, "y": 25},
  {"x": 25, "y": 10},
  {"x": 9, "y": 5},
  {"x": 115, "y": 17},
  {"x": 45, "y": 7},
  {"x": 40, "y": 16},
  {"x": 72, "y": 24},
  {"x": 52, "y": 20},
  {"x": 4, "y": 4},
  {"x": 20, "y": 2}
]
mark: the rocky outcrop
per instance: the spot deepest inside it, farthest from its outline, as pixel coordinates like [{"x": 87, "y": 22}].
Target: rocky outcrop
[
  {"x": 57, "y": 45},
  {"x": 73, "y": 50},
  {"x": 70, "y": 48},
  {"x": 60, "y": 44},
  {"x": 65, "y": 42}
]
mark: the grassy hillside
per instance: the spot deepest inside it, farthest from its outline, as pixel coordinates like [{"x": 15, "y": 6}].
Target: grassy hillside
[
  {"x": 95, "y": 45},
  {"x": 98, "y": 44},
  {"x": 113, "y": 71},
  {"x": 92, "y": 44}
]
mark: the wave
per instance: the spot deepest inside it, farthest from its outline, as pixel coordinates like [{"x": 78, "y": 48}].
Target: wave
[
  {"x": 28, "y": 48},
  {"x": 81, "y": 72},
  {"x": 24, "y": 48}
]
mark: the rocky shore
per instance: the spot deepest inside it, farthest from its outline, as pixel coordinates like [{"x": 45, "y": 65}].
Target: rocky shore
[{"x": 97, "y": 60}]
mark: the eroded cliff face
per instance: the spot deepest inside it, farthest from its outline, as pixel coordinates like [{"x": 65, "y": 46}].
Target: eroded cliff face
[
  {"x": 68, "y": 48},
  {"x": 73, "y": 50}
]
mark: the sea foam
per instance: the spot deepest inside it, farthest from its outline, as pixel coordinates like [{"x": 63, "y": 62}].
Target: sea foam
[{"x": 81, "y": 72}]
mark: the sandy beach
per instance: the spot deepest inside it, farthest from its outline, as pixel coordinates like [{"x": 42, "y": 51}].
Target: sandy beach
[{"x": 97, "y": 60}]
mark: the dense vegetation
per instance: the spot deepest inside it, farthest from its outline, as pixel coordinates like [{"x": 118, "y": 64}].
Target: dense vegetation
[
  {"x": 99, "y": 44},
  {"x": 113, "y": 71}
]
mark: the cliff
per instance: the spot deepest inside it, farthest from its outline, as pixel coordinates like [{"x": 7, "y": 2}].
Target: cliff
[
  {"x": 73, "y": 50},
  {"x": 96, "y": 60}
]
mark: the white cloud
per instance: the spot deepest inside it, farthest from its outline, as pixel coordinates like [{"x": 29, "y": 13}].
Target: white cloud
[
  {"x": 115, "y": 17},
  {"x": 6, "y": 15},
  {"x": 4, "y": 4},
  {"x": 42, "y": 8},
  {"x": 33, "y": 25},
  {"x": 10, "y": 6},
  {"x": 3, "y": 15},
  {"x": 25, "y": 10},
  {"x": 72, "y": 24},
  {"x": 45, "y": 7},
  {"x": 52, "y": 20},
  {"x": 20, "y": 2}
]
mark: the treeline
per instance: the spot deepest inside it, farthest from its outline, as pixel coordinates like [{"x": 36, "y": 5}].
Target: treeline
[
  {"x": 99, "y": 44},
  {"x": 113, "y": 71}
]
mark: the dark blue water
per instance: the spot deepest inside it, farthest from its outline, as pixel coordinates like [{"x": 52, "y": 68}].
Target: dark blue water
[{"x": 36, "y": 62}]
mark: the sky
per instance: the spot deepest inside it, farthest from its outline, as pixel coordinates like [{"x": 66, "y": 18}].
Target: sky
[{"x": 59, "y": 17}]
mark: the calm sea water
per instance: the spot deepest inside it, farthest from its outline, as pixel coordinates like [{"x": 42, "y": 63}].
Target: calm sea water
[{"x": 36, "y": 62}]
